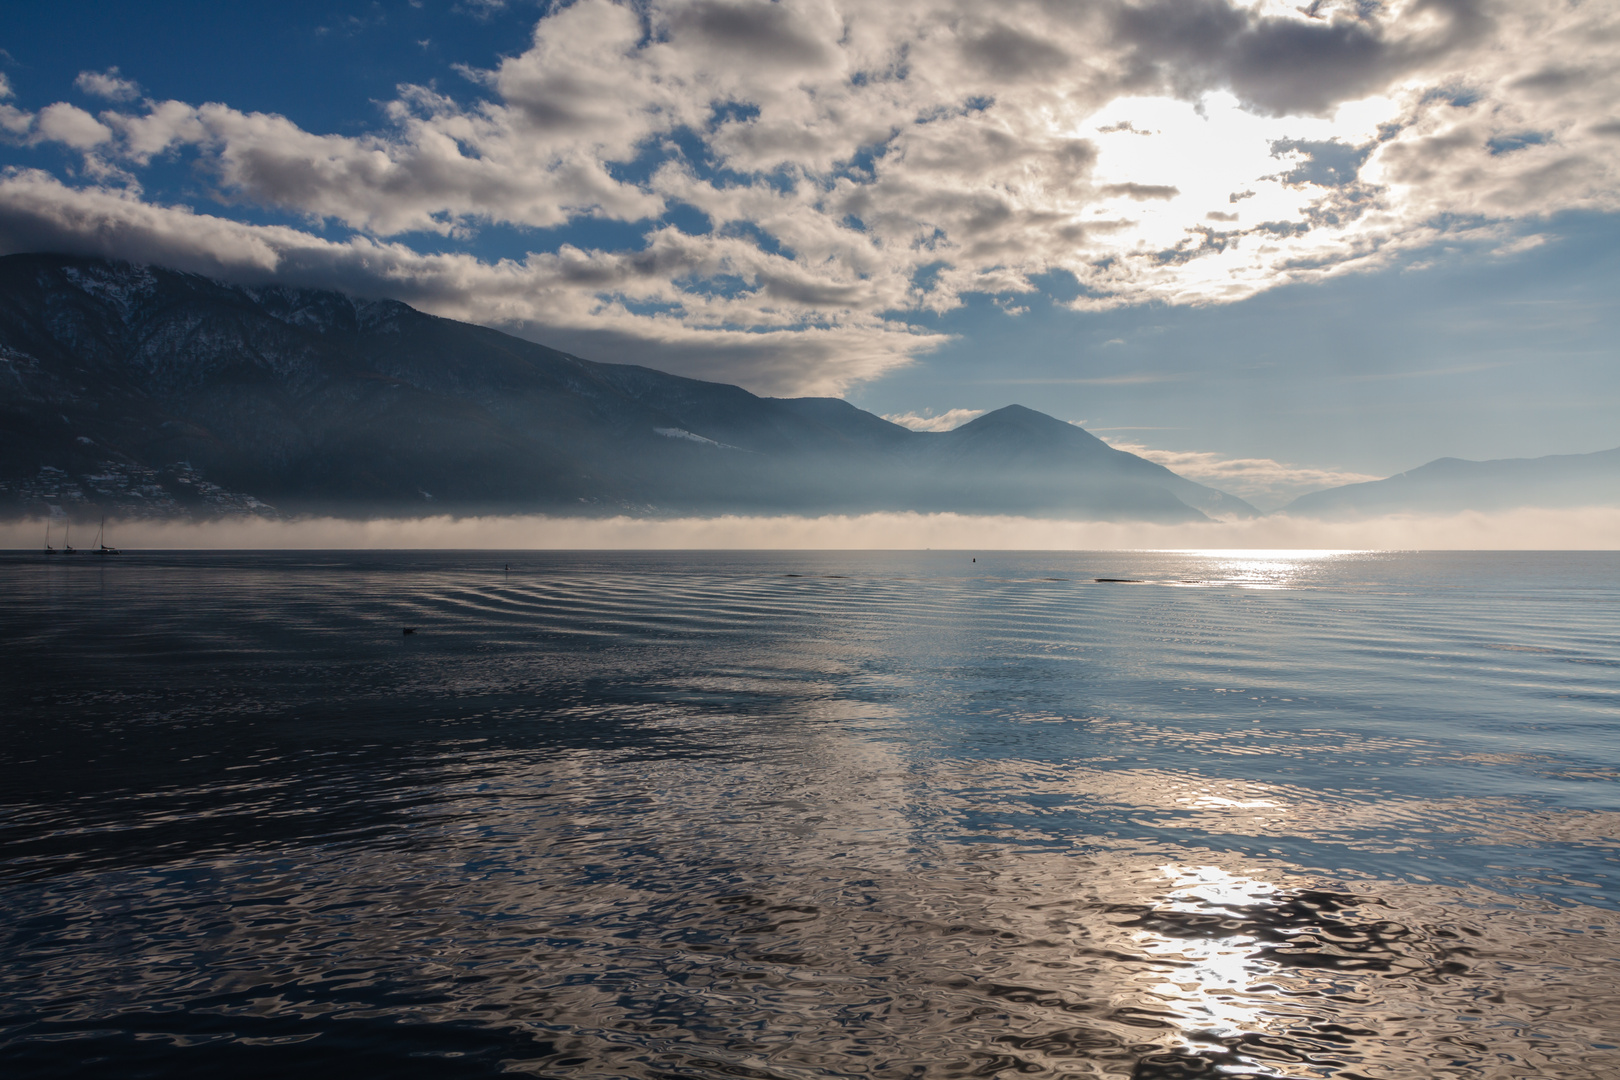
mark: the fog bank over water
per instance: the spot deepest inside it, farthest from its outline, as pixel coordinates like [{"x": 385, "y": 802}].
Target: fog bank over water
[{"x": 1593, "y": 528}]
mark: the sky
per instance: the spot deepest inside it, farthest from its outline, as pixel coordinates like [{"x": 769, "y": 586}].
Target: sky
[{"x": 1275, "y": 247}]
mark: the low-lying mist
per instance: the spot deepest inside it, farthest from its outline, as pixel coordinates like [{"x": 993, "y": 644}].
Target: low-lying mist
[{"x": 1593, "y": 528}]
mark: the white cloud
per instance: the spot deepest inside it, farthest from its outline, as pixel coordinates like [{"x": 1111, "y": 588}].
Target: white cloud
[
  {"x": 107, "y": 84},
  {"x": 949, "y": 420},
  {"x": 1261, "y": 481},
  {"x": 1156, "y": 150},
  {"x": 72, "y": 126},
  {"x": 15, "y": 122}
]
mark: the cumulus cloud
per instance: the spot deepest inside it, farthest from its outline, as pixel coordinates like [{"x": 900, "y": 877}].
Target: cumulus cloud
[
  {"x": 107, "y": 84},
  {"x": 926, "y": 420},
  {"x": 14, "y": 122},
  {"x": 72, "y": 126},
  {"x": 1261, "y": 481},
  {"x": 835, "y": 168}
]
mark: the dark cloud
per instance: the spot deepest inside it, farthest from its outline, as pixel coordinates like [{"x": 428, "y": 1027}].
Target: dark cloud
[
  {"x": 989, "y": 213},
  {"x": 763, "y": 30},
  {"x": 1420, "y": 161},
  {"x": 1139, "y": 192},
  {"x": 1077, "y": 154},
  {"x": 1012, "y": 55},
  {"x": 1288, "y": 66},
  {"x": 1283, "y": 65},
  {"x": 551, "y": 101},
  {"x": 1550, "y": 81},
  {"x": 809, "y": 291}
]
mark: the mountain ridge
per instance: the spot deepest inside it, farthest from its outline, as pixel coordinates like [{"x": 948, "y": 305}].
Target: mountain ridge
[
  {"x": 139, "y": 388},
  {"x": 1452, "y": 485}
]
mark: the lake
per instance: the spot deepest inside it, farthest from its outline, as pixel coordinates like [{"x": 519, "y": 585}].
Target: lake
[{"x": 793, "y": 815}]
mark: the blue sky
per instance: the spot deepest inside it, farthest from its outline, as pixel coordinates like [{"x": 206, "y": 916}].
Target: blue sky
[{"x": 1275, "y": 248}]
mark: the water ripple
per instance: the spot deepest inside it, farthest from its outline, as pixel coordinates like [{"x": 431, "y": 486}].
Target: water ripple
[{"x": 807, "y": 815}]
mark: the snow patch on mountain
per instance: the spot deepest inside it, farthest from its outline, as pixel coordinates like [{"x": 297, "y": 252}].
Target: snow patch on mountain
[
  {"x": 120, "y": 285},
  {"x": 681, "y": 433}
]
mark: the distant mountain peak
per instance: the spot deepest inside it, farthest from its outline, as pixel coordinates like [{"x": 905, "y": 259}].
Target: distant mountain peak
[
  {"x": 1018, "y": 414},
  {"x": 1452, "y": 485}
]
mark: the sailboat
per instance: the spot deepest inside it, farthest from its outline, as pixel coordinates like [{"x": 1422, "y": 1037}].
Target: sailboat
[
  {"x": 67, "y": 533},
  {"x": 48, "y": 549},
  {"x": 101, "y": 548}
]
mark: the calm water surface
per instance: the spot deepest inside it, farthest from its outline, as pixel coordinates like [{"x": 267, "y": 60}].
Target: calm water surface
[{"x": 810, "y": 815}]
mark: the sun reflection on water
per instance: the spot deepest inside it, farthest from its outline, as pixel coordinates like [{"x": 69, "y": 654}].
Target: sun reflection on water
[
  {"x": 1261, "y": 568},
  {"x": 1210, "y": 991}
]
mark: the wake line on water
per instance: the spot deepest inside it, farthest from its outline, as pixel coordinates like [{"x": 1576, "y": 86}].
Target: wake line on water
[{"x": 1592, "y": 528}]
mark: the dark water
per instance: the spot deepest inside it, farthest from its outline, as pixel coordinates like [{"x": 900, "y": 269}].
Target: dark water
[{"x": 811, "y": 815}]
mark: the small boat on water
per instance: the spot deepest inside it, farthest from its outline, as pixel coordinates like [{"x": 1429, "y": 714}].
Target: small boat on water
[
  {"x": 102, "y": 548},
  {"x": 67, "y": 534},
  {"x": 48, "y": 549}
]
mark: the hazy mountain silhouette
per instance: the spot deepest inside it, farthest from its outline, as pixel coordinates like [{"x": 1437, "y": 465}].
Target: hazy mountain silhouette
[
  {"x": 143, "y": 390},
  {"x": 1450, "y": 485}
]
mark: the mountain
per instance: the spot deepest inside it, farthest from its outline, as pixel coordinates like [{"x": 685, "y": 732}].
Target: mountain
[
  {"x": 136, "y": 390},
  {"x": 1450, "y": 485}
]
